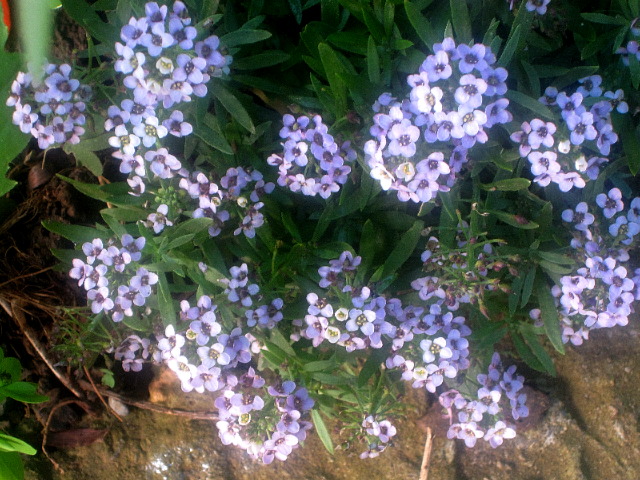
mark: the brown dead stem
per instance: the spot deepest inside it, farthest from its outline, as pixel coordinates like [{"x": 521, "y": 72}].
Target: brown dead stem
[
  {"x": 426, "y": 456},
  {"x": 15, "y": 309}
]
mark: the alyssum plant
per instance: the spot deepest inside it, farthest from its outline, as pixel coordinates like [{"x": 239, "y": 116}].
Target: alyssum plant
[{"x": 312, "y": 289}]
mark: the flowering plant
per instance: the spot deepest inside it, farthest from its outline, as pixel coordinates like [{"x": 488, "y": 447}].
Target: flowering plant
[{"x": 251, "y": 246}]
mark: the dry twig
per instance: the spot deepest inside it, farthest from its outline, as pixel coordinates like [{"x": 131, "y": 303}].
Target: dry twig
[
  {"x": 95, "y": 389},
  {"x": 15, "y": 310},
  {"x": 426, "y": 456}
]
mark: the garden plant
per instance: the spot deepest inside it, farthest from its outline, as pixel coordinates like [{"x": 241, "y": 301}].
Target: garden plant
[{"x": 321, "y": 204}]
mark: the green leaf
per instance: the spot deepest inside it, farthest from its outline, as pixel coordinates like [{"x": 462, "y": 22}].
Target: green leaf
[
  {"x": 530, "y": 104},
  {"x": 296, "y": 9},
  {"x": 372, "y": 23},
  {"x": 527, "y": 287},
  {"x": 333, "y": 68},
  {"x": 525, "y": 352},
  {"x": 508, "y": 185},
  {"x": 401, "y": 252},
  {"x": 243, "y": 37},
  {"x": 320, "y": 365},
  {"x": 165, "y": 301},
  {"x": 460, "y": 20},
  {"x": 517, "y": 221},
  {"x": 85, "y": 15},
  {"x": 213, "y": 138},
  {"x": 233, "y": 106},
  {"x": 192, "y": 226},
  {"x": 373, "y": 61},
  {"x": 107, "y": 378},
  {"x": 11, "y": 467},
  {"x": 23, "y": 392},
  {"x": 421, "y": 25},
  {"x": 261, "y": 60},
  {"x": 371, "y": 366},
  {"x": 549, "y": 314},
  {"x": 278, "y": 339},
  {"x": 533, "y": 342},
  {"x": 574, "y": 75},
  {"x": 510, "y": 47},
  {"x": 75, "y": 233},
  {"x": 630, "y": 139},
  {"x": 290, "y": 225},
  {"x": 322, "y": 431},
  {"x": 604, "y": 19},
  {"x": 634, "y": 70},
  {"x": 13, "y": 444},
  {"x": 555, "y": 258}
]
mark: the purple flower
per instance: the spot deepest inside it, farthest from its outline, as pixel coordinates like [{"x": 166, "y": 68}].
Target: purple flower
[
  {"x": 159, "y": 220},
  {"x": 437, "y": 66},
  {"x": 610, "y": 203},
  {"x": 496, "y": 435},
  {"x": 176, "y": 125},
  {"x": 470, "y": 91},
  {"x": 472, "y": 57},
  {"x": 541, "y": 133},
  {"x": 539, "y": 6},
  {"x": 581, "y": 127}
]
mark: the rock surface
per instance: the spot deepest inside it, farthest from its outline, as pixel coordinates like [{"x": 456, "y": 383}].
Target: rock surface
[{"x": 588, "y": 432}]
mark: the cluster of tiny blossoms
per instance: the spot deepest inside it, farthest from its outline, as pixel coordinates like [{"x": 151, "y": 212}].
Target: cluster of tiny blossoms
[
  {"x": 427, "y": 343},
  {"x": 421, "y": 142},
  {"x": 312, "y": 163},
  {"x": 601, "y": 292},
  {"x": 633, "y": 47},
  {"x": 379, "y": 434},
  {"x": 115, "y": 282},
  {"x": 163, "y": 66},
  {"x": 50, "y": 109},
  {"x": 483, "y": 417},
  {"x": 559, "y": 153},
  {"x": 237, "y": 194}
]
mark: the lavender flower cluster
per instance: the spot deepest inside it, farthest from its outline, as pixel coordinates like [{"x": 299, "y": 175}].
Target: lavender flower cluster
[
  {"x": 601, "y": 292},
  {"x": 421, "y": 142},
  {"x": 115, "y": 282},
  {"x": 379, "y": 434},
  {"x": 632, "y": 48},
  {"x": 50, "y": 109},
  {"x": 556, "y": 153},
  {"x": 163, "y": 65},
  {"x": 538, "y": 6},
  {"x": 312, "y": 163},
  {"x": 237, "y": 194},
  {"x": 427, "y": 344},
  {"x": 499, "y": 393}
]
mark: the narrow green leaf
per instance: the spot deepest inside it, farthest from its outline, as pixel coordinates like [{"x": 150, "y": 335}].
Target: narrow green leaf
[
  {"x": 527, "y": 288},
  {"x": 517, "y": 221},
  {"x": 508, "y": 185},
  {"x": 634, "y": 70},
  {"x": 214, "y": 139},
  {"x": 13, "y": 444},
  {"x": 261, "y": 60},
  {"x": 320, "y": 365},
  {"x": 244, "y": 37},
  {"x": 278, "y": 339},
  {"x": 233, "y": 106},
  {"x": 373, "y": 61},
  {"x": 525, "y": 352},
  {"x": 401, "y": 252},
  {"x": 530, "y": 104},
  {"x": 555, "y": 258},
  {"x": 322, "y": 431},
  {"x": 372, "y": 23},
  {"x": 551, "y": 267},
  {"x": 533, "y": 342},
  {"x": 549, "y": 313},
  {"x": 290, "y": 225},
  {"x": 421, "y": 25},
  {"x": 165, "y": 301},
  {"x": 76, "y": 233},
  {"x": 510, "y": 47},
  {"x": 515, "y": 294},
  {"x": 333, "y": 68},
  {"x": 460, "y": 21},
  {"x": 604, "y": 19},
  {"x": 296, "y": 9},
  {"x": 574, "y": 75},
  {"x": 371, "y": 366}
]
